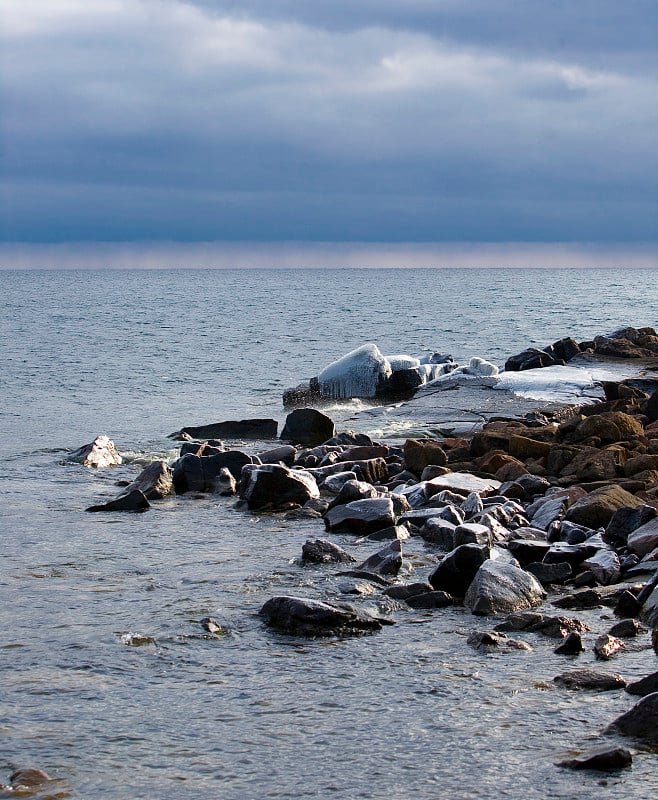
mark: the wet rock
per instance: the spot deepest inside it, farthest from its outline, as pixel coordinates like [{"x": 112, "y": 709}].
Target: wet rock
[
  {"x": 211, "y": 625},
  {"x": 548, "y": 512},
  {"x": 455, "y": 573},
  {"x": 573, "y": 554},
  {"x": 386, "y": 561},
  {"x": 133, "y": 501},
  {"x": 308, "y": 426},
  {"x": 334, "y": 483},
  {"x": 597, "y": 508},
  {"x": 353, "y": 490},
  {"x": 303, "y": 617},
  {"x": 98, "y": 454},
  {"x": 604, "y": 760},
  {"x": 28, "y": 778},
  {"x": 502, "y": 588},
  {"x": 491, "y": 641},
  {"x": 627, "y": 605},
  {"x": 626, "y": 629},
  {"x": 606, "y": 647},
  {"x": 548, "y": 574},
  {"x": 584, "y": 599},
  {"x": 571, "y": 646},
  {"x": 322, "y": 551},
  {"x": 645, "y": 686},
  {"x": 194, "y": 473},
  {"x": 154, "y": 481},
  {"x": 231, "y": 429},
  {"x": 472, "y": 533},
  {"x": 403, "y": 591},
  {"x": 644, "y": 539},
  {"x": 361, "y": 516},
  {"x": 274, "y": 486},
  {"x": 520, "y": 621},
  {"x": 531, "y": 358},
  {"x": 400, "y": 532},
  {"x": 640, "y": 722},
  {"x": 558, "y": 627},
  {"x": 604, "y": 566},
  {"x": 527, "y": 551},
  {"x": 439, "y": 532},
  {"x": 590, "y": 679},
  {"x": 225, "y": 484},
  {"x": 430, "y": 600},
  {"x": 285, "y": 454}
]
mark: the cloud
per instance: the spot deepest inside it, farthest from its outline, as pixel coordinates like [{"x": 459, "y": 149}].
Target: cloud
[{"x": 389, "y": 120}]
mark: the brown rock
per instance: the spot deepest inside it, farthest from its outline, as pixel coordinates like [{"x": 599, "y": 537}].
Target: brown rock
[
  {"x": 596, "y": 465},
  {"x": 640, "y": 463},
  {"x": 419, "y": 454},
  {"x": 596, "y": 509},
  {"x": 522, "y": 447}
]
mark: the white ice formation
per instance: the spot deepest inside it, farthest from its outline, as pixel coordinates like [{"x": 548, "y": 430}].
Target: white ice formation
[{"x": 357, "y": 374}]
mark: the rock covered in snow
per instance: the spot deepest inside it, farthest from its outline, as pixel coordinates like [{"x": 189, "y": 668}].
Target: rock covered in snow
[
  {"x": 359, "y": 373},
  {"x": 97, "y": 454}
]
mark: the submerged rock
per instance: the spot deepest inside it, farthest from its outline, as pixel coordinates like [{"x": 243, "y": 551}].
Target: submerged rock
[
  {"x": 302, "y": 617},
  {"x": 590, "y": 679},
  {"x": 133, "y": 501},
  {"x": 604, "y": 760}
]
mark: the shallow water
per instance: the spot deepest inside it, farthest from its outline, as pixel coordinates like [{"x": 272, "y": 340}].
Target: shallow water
[{"x": 410, "y": 712}]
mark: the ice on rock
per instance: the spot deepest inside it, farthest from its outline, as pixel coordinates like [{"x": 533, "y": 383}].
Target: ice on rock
[
  {"x": 357, "y": 374},
  {"x": 481, "y": 368},
  {"x": 402, "y": 362}
]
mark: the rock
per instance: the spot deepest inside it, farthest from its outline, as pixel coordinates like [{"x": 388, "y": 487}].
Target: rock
[
  {"x": 211, "y": 625},
  {"x": 334, "y": 483},
  {"x": 430, "y": 600},
  {"x": 548, "y": 574},
  {"x": 597, "y": 508},
  {"x": 472, "y": 533},
  {"x": 225, "y": 484},
  {"x": 590, "y": 679},
  {"x": 204, "y": 473},
  {"x": 455, "y": 573},
  {"x": 627, "y": 605},
  {"x": 604, "y": 760},
  {"x": 523, "y": 448},
  {"x": 571, "y": 646},
  {"x": 232, "y": 429},
  {"x": 303, "y": 617},
  {"x": 644, "y": 539},
  {"x": 463, "y": 483},
  {"x": 532, "y": 358},
  {"x": 490, "y": 641},
  {"x": 419, "y": 454},
  {"x": 583, "y": 599},
  {"x": 400, "y": 532},
  {"x": 606, "y": 647},
  {"x": 322, "y": 551},
  {"x": 640, "y": 722},
  {"x": 386, "y": 561},
  {"x": 154, "y": 481},
  {"x": 273, "y": 486},
  {"x": 403, "y": 591},
  {"x": 626, "y": 629},
  {"x": 133, "y": 501},
  {"x": 645, "y": 686},
  {"x": 439, "y": 532},
  {"x": 605, "y": 567},
  {"x": 284, "y": 454},
  {"x": 97, "y": 454},
  {"x": 527, "y": 551},
  {"x": 472, "y": 505},
  {"x": 651, "y": 408},
  {"x": 28, "y": 778},
  {"x": 558, "y": 627},
  {"x": 361, "y": 516},
  {"x": 548, "y": 512},
  {"x": 354, "y": 490},
  {"x": 308, "y": 426},
  {"x": 502, "y": 588}
]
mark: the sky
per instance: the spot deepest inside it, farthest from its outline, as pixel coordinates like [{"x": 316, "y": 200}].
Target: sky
[{"x": 379, "y": 127}]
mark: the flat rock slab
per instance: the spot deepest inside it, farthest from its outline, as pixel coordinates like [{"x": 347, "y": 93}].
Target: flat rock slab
[
  {"x": 361, "y": 516},
  {"x": 232, "y": 429},
  {"x": 303, "y": 617},
  {"x": 463, "y": 483}
]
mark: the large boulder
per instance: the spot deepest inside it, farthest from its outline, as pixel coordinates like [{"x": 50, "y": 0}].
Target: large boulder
[
  {"x": 625, "y": 521},
  {"x": 420, "y": 453},
  {"x": 455, "y": 573},
  {"x": 361, "y": 516},
  {"x": 597, "y": 508},
  {"x": 322, "y": 551},
  {"x": 302, "y": 617},
  {"x": 204, "y": 473},
  {"x": 274, "y": 486},
  {"x": 644, "y": 539},
  {"x": 308, "y": 426},
  {"x": 232, "y": 429},
  {"x": 97, "y": 454},
  {"x": 500, "y": 587},
  {"x": 359, "y": 373},
  {"x": 640, "y": 722}
]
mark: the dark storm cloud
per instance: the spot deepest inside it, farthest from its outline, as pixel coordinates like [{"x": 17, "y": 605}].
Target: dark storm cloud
[{"x": 400, "y": 121}]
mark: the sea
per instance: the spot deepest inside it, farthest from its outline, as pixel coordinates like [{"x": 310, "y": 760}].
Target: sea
[{"x": 108, "y": 681}]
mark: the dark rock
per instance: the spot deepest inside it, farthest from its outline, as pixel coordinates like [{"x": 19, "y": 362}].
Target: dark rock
[
  {"x": 532, "y": 358},
  {"x": 490, "y": 641},
  {"x": 590, "y": 679},
  {"x": 430, "y": 600},
  {"x": 499, "y": 587},
  {"x": 564, "y": 349},
  {"x": 386, "y": 561},
  {"x": 520, "y": 621},
  {"x": 605, "y": 567},
  {"x": 392, "y": 532},
  {"x": 225, "y": 484},
  {"x": 651, "y": 407},
  {"x": 308, "y": 426},
  {"x": 641, "y": 722},
  {"x": 603, "y": 760},
  {"x": 472, "y": 533},
  {"x": 232, "y": 429},
  {"x": 361, "y": 516},
  {"x": 201, "y": 473},
  {"x": 154, "y": 481},
  {"x": 527, "y": 551},
  {"x": 285, "y": 454},
  {"x": 28, "y": 778},
  {"x": 274, "y": 486},
  {"x": 302, "y": 617},
  {"x": 133, "y": 501},
  {"x": 572, "y": 554},
  {"x": 584, "y": 599},
  {"x": 627, "y": 605},
  {"x": 626, "y": 629},
  {"x": 455, "y": 573},
  {"x": 211, "y": 625},
  {"x": 558, "y": 627},
  {"x": 597, "y": 508},
  {"x": 403, "y": 591},
  {"x": 353, "y": 490},
  {"x": 644, "y": 539},
  {"x": 548, "y": 574},
  {"x": 419, "y": 454},
  {"x": 322, "y": 551},
  {"x": 571, "y": 646},
  {"x": 439, "y": 532},
  {"x": 645, "y": 686}
]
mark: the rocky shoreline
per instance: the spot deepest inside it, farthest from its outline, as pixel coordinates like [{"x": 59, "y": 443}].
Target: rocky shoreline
[{"x": 528, "y": 521}]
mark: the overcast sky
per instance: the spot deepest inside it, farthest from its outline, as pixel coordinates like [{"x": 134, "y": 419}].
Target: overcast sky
[{"x": 329, "y": 121}]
